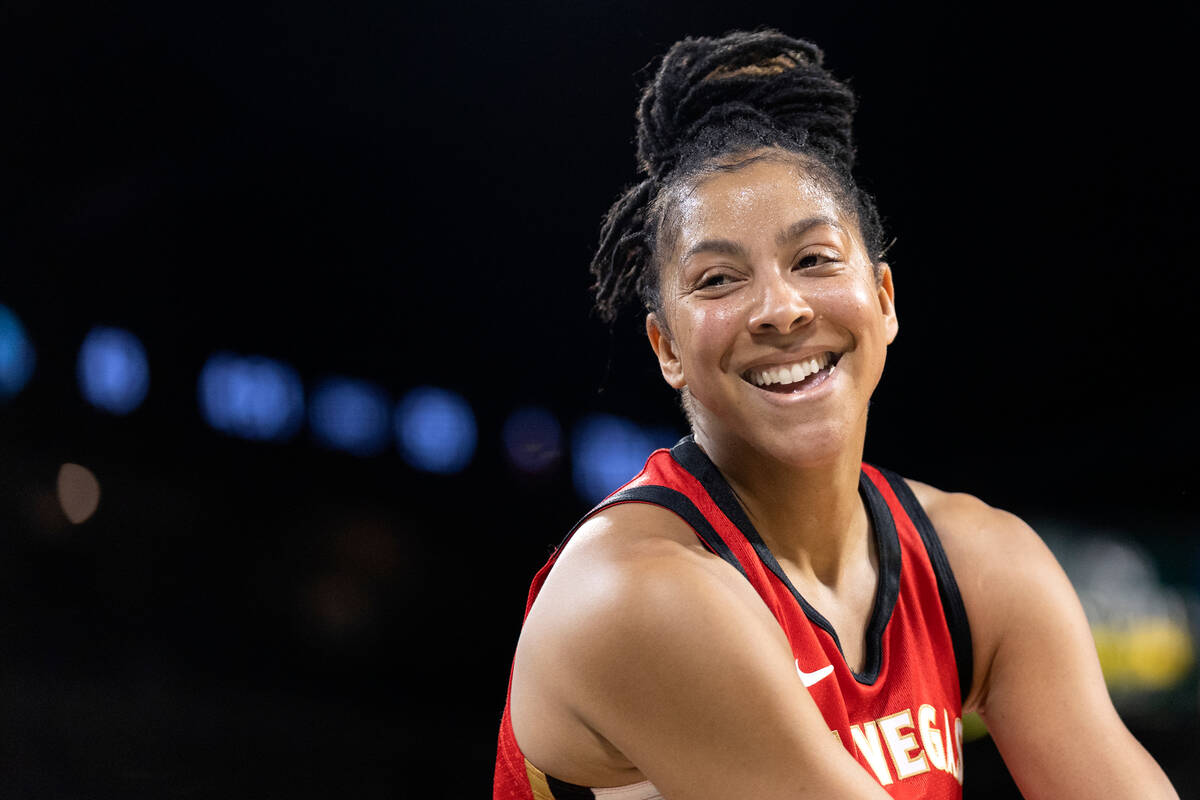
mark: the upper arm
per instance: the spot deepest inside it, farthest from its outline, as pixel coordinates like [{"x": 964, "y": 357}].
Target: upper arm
[
  {"x": 695, "y": 684},
  {"x": 1040, "y": 688}
]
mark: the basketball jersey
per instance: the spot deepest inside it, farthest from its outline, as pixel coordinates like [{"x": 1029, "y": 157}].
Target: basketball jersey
[{"x": 900, "y": 717}]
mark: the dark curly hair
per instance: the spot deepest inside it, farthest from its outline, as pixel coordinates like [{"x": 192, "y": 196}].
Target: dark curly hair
[{"x": 710, "y": 103}]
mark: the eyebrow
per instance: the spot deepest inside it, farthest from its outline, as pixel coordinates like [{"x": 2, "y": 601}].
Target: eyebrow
[
  {"x": 726, "y": 247},
  {"x": 798, "y": 229},
  {"x": 729, "y": 247}
]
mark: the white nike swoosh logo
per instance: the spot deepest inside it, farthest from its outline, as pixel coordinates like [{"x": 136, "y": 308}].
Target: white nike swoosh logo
[{"x": 809, "y": 678}]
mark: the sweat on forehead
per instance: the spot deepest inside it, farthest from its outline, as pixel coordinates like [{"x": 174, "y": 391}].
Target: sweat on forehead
[{"x": 683, "y": 214}]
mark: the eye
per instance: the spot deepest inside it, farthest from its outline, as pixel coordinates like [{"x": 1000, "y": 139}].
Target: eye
[
  {"x": 816, "y": 259},
  {"x": 715, "y": 280}
]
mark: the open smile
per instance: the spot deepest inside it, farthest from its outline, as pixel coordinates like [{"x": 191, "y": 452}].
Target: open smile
[{"x": 793, "y": 377}]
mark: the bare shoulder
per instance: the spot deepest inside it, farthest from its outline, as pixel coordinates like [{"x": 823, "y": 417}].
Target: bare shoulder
[
  {"x": 631, "y": 575},
  {"x": 633, "y": 561},
  {"x": 634, "y": 593},
  {"x": 980, "y": 538},
  {"x": 958, "y": 515}
]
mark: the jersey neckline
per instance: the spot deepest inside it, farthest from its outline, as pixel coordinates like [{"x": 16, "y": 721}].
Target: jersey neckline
[{"x": 692, "y": 458}]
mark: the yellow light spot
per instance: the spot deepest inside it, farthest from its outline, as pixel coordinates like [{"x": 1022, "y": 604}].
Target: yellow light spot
[
  {"x": 1150, "y": 653},
  {"x": 973, "y": 727}
]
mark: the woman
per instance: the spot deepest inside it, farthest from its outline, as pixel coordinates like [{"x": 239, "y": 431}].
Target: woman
[{"x": 758, "y": 614}]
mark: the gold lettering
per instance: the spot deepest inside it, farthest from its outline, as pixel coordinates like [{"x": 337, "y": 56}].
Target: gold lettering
[
  {"x": 901, "y": 746},
  {"x": 951, "y": 762},
  {"x": 866, "y": 738},
  {"x": 958, "y": 773},
  {"x": 931, "y": 736}
]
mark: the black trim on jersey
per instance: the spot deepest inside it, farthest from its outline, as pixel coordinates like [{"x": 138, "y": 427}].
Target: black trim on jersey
[
  {"x": 672, "y": 500},
  {"x": 689, "y": 455},
  {"x": 561, "y": 790},
  {"x": 952, "y": 604}
]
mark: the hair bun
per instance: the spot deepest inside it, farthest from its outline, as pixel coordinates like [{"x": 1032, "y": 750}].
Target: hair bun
[{"x": 762, "y": 87}]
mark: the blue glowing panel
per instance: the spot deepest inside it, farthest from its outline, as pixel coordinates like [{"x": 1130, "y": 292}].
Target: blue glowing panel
[
  {"x": 532, "y": 439},
  {"x": 251, "y": 397},
  {"x": 112, "y": 370},
  {"x": 607, "y": 451},
  {"x": 435, "y": 429},
  {"x": 351, "y": 415},
  {"x": 16, "y": 355}
]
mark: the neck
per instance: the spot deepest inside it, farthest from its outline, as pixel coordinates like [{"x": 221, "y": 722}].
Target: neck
[{"x": 810, "y": 515}]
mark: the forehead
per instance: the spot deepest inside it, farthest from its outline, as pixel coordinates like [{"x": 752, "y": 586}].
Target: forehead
[{"x": 752, "y": 203}]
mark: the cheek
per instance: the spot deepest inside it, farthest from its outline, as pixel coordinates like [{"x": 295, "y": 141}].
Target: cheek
[
  {"x": 721, "y": 318},
  {"x": 854, "y": 304},
  {"x": 706, "y": 335}
]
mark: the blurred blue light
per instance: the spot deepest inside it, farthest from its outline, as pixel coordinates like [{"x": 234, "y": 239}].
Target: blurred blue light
[
  {"x": 607, "y": 451},
  {"x": 252, "y": 397},
  {"x": 112, "y": 370},
  {"x": 661, "y": 437},
  {"x": 350, "y": 414},
  {"x": 532, "y": 439},
  {"x": 435, "y": 429},
  {"x": 16, "y": 355}
]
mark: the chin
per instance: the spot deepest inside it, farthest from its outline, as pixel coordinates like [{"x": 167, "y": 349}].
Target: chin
[{"x": 795, "y": 443}]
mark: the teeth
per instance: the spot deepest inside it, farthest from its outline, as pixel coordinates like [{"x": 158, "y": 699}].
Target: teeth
[{"x": 793, "y": 373}]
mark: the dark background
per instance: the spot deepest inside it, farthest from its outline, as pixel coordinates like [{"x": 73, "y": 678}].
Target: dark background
[{"x": 410, "y": 194}]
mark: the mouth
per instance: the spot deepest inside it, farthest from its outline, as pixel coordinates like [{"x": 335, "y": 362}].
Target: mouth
[{"x": 795, "y": 376}]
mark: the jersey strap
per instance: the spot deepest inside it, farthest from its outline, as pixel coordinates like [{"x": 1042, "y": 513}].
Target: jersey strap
[{"x": 952, "y": 603}]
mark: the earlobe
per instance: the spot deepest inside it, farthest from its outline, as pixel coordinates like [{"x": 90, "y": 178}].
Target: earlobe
[
  {"x": 664, "y": 350},
  {"x": 887, "y": 302}
]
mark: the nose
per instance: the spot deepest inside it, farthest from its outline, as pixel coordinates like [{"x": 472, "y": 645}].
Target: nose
[{"x": 779, "y": 307}]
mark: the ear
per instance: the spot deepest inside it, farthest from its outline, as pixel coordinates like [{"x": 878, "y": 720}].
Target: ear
[
  {"x": 887, "y": 302},
  {"x": 664, "y": 348}
]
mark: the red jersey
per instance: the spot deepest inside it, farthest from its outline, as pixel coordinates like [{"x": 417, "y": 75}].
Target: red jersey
[{"x": 901, "y": 716}]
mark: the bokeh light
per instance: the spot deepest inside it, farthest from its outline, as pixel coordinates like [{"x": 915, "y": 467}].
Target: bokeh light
[
  {"x": 252, "y": 397},
  {"x": 16, "y": 354},
  {"x": 435, "y": 430},
  {"x": 532, "y": 439},
  {"x": 78, "y": 492},
  {"x": 1140, "y": 623},
  {"x": 112, "y": 370},
  {"x": 608, "y": 450},
  {"x": 351, "y": 415}
]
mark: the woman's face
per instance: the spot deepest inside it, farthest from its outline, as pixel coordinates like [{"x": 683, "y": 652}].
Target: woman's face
[{"x": 766, "y": 280}]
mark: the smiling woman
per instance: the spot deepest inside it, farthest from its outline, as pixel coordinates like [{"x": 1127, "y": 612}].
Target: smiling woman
[
  {"x": 758, "y": 613},
  {"x": 761, "y": 253}
]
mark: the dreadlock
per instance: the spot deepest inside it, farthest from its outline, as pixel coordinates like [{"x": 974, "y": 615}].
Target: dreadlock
[{"x": 710, "y": 99}]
